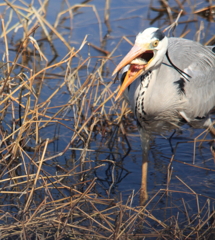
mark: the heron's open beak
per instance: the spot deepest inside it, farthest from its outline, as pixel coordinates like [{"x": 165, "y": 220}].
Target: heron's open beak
[{"x": 144, "y": 54}]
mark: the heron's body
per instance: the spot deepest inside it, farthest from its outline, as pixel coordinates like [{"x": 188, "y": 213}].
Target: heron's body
[
  {"x": 167, "y": 81},
  {"x": 163, "y": 94}
]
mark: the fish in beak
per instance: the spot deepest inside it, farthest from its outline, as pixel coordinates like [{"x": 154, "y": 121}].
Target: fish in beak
[{"x": 138, "y": 58}]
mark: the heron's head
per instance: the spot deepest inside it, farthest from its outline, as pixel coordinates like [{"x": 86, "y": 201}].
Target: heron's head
[{"x": 148, "y": 51}]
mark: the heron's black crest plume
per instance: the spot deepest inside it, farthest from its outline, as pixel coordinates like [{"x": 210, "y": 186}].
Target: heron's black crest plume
[
  {"x": 158, "y": 34},
  {"x": 183, "y": 74}
]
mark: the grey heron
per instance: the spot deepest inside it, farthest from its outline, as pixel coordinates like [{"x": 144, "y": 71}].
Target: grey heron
[{"x": 167, "y": 81}]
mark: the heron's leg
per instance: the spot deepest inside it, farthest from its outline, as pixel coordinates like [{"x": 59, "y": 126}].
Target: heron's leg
[
  {"x": 145, "y": 139},
  {"x": 143, "y": 189}
]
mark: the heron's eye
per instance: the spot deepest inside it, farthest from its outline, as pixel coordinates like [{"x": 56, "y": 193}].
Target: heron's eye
[{"x": 155, "y": 43}]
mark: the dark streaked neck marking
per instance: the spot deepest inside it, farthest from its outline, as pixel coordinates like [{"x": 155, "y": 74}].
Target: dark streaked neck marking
[
  {"x": 139, "y": 105},
  {"x": 142, "y": 77}
]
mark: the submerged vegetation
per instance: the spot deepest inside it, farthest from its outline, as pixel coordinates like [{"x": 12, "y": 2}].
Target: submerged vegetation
[{"x": 64, "y": 139}]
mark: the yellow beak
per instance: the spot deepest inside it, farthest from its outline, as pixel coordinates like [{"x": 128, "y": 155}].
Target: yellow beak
[{"x": 133, "y": 72}]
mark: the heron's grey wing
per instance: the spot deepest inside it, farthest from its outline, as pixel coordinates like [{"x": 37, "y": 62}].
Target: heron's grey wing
[{"x": 197, "y": 61}]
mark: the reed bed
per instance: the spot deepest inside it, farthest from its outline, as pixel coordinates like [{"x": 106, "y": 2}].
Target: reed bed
[{"x": 57, "y": 113}]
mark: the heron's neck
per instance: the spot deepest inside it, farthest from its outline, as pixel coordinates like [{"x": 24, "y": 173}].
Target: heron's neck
[{"x": 139, "y": 101}]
